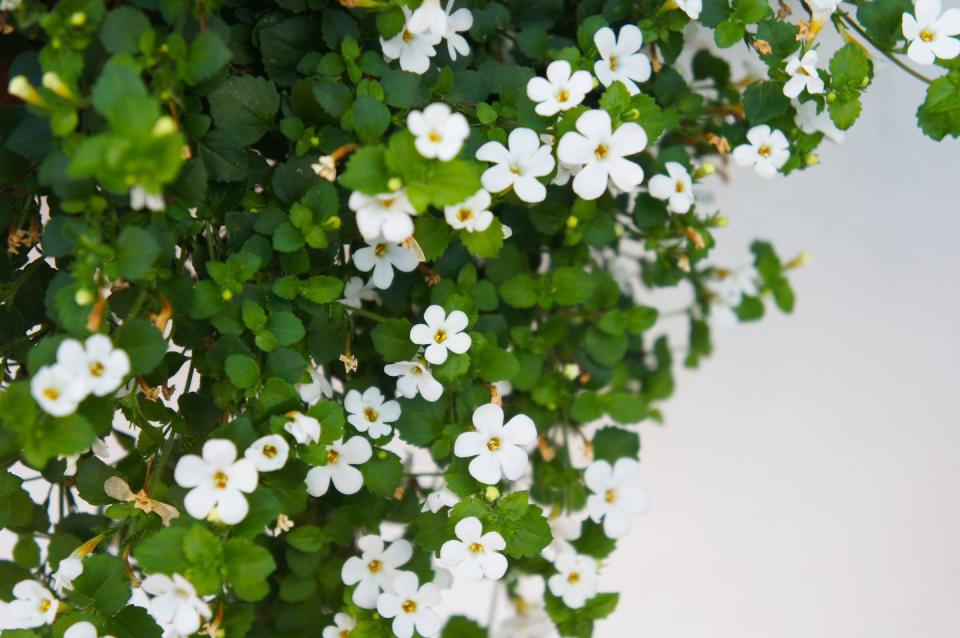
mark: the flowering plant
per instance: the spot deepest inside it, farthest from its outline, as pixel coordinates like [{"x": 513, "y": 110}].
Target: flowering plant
[{"x": 311, "y": 312}]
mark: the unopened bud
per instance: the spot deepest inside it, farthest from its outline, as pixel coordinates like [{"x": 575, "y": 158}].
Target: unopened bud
[
  {"x": 226, "y": 295},
  {"x": 332, "y": 223},
  {"x": 632, "y": 115},
  {"x": 800, "y": 260},
  {"x": 831, "y": 96},
  {"x": 811, "y": 159},
  {"x": 78, "y": 19},
  {"x": 491, "y": 493},
  {"x": 20, "y": 87},
  {"x": 84, "y": 297},
  {"x": 571, "y": 371},
  {"x": 618, "y": 229},
  {"x": 164, "y": 126},
  {"x": 572, "y": 222},
  {"x": 394, "y": 184},
  {"x": 314, "y": 141},
  {"x": 707, "y": 168},
  {"x": 722, "y": 221},
  {"x": 52, "y": 82}
]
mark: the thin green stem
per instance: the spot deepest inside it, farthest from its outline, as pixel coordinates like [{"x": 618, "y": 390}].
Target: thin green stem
[
  {"x": 366, "y": 313},
  {"x": 850, "y": 22},
  {"x": 161, "y": 462}
]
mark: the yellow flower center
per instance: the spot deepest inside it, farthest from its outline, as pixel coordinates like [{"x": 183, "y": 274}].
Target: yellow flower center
[
  {"x": 409, "y": 606},
  {"x": 464, "y": 214},
  {"x": 380, "y": 250},
  {"x": 332, "y": 457},
  {"x": 51, "y": 393},
  {"x": 573, "y": 578},
  {"x": 680, "y": 187},
  {"x": 220, "y": 480},
  {"x": 370, "y": 414},
  {"x": 563, "y": 95},
  {"x": 764, "y": 151},
  {"x": 440, "y": 337},
  {"x": 374, "y": 566},
  {"x": 610, "y": 496},
  {"x": 388, "y": 202},
  {"x": 269, "y": 451},
  {"x": 514, "y": 169},
  {"x": 613, "y": 63},
  {"x": 407, "y": 36},
  {"x": 493, "y": 444},
  {"x": 97, "y": 369},
  {"x": 433, "y": 136},
  {"x": 601, "y": 151},
  {"x": 345, "y": 633},
  {"x": 417, "y": 370},
  {"x": 927, "y": 35},
  {"x": 476, "y": 548},
  {"x": 44, "y": 606}
]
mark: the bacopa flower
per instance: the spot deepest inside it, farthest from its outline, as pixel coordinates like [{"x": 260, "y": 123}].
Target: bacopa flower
[
  {"x": 620, "y": 57},
  {"x": 341, "y": 458},
  {"x": 676, "y": 188},
  {"x": 342, "y": 625},
  {"x": 140, "y": 198},
  {"x": 438, "y": 499},
  {"x": 475, "y": 553},
  {"x": 56, "y": 390},
  {"x": 931, "y": 34},
  {"x": 498, "y": 449},
  {"x": 561, "y": 90},
  {"x": 82, "y": 629},
  {"x": 382, "y": 257},
  {"x": 218, "y": 480},
  {"x": 811, "y": 121},
  {"x": 68, "y": 570},
  {"x": 357, "y": 291},
  {"x": 821, "y": 10},
  {"x": 472, "y": 214},
  {"x": 428, "y": 17},
  {"x": 518, "y": 166},
  {"x": 370, "y": 412},
  {"x": 615, "y": 495},
  {"x": 575, "y": 581},
  {"x": 99, "y": 366},
  {"x": 318, "y": 388},
  {"x": 439, "y": 132},
  {"x": 601, "y": 153},
  {"x": 441, "y": 333},
  {"x": 457, "y": 22},
  {"x": 767, "y": 150},
  {"x": 33, "y": 605},
  {"x": 410, "y": 606},
  {"x": 268, "y": 453},
  {"x": 691, "y": 7},
  {"x": 305, "y": 429},
  {"x": 803, "y": 75},
  {"x": 414, "y": 377},
  {"x": 387, "y": 215},
  {"x": 374, "y": 570},
  {"x": 413, "y": 49},
  {"x": 175, "y": 603}
]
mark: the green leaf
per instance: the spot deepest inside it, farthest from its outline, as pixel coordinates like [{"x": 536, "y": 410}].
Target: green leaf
[
  {"x": 245, "y": 107},
  {"x": 403, "y": 90},
  {"x": 163, "y": 551},
  {"x": 383, "y": 473},
  {"x": 433, "y": 235},
  {"x": 143, "y": 343},
  {"x": 102, "y": 584},
  {"x": 844, "y": 111},
  {"x": 307, "y": 538},
  {"x": 763, "y": 101},
  {"x": 391, "y": 338},
  {"x": 882, "y": 19},
  {"x": 571, "y": 285},
  {"x": 321, "y": 288},
  {"x": 420, "y": 421},
  {"x": 612, "y": 443},
  {"x": 939, "y": 115},
  {"x": 751, "y": 11},
  {"x": 247, "y": 567},
  {"x": 520, "y": 291},
  {"x": 648, "y": 115},
  {"x": 370, "y": 119},
  {"x": 134, "y": 622},
  {"x": 286, "y": 328},
  {"x": 463, "y": 627},
  {"x": 208, "y": 54},
  {"x": 529, "y": 536},
  {"x": 136, "y": 252},
  {"x": 485, "y": 244},
  {"x": 625, "y": 407},
  {"x": 242, "y": 370},
  {"x": 729, "y": 32},
  {"x": 849, "y": 66},
  {"x": 366, "y": 171},
  {"x": 122, "y": 29}
]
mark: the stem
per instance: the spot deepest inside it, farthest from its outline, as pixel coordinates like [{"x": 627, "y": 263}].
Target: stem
[
  {"x": 846, "y": 19},
  {"x": 366, "y": 313},
  {"x": 157, "y": 469}
]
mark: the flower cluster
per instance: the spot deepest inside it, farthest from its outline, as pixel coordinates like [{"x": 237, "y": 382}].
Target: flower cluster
[{"x": 93, "y": 367}]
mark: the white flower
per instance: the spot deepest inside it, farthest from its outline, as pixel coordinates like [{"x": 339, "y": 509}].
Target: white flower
[
  {"x": 472, "y": 214},
  {"x": 576, "y": 580},
  {"x": 477, "y": 554},
  {"x": 96, "y": 364},
  {"x": 99, "y": 448},
  {"x": 519, "y": 166},
  {"x": 218, "y": 480},
  {"x": 33, "y": 606},
  {"x": 931, "y": 34},
  {"x": 561, "y": 90},
  {"x": 414, "y": 50},
  {"x": 370, "y": 413},
  {"x": 140, "y": 198},
  {"x": 356, "y": 292},
  {"x": 457, "y": 21},
  {"x": 821, "y": 10},
  {"x": 810, "y": 121},
  {"x": 691, "y": 7},
  {"x": 57, "y": 390},
  {"x": 410, "y": 606},
  {"x": 268, "y": 453},
  {"x": 497, "y": 448},
  {"x": 387, "y": 215},
  {"x": 675, "y": 187},
  {"x": 440, "y": 333},
  {"x": 615, "y": 497},
  {"x": 564, "y": 528},
  {"x": 429, "y": 17},
  {"x": 175, "y": 603},
  {"x": 342, "y": 625},
  {"x": 305, "y": 429},
  {"x": 341, "y": 457},
  {"x": 414, "y": 377},
  {"x": 439, "y": 499},
  {"x": 82, "y": 629},
  {"x": 601, "y": 153},
  {"x": 439, "y": 131},
  {"x": 281, "y": 525},
  {"x": 767, "y": 151},
  {"x": 374, "y": 570},
  {"x": 382, "y": 257},
  {"x": 735, "y": 284},
  {"x": 531, "y": 621},
  {"x": 318, "y": 388},
  {"x": 803, "y": 75},
  {"x": 68, "y": 570},
  {"x": 620, "y": 57},
  {"x": 10, "y": 5}
]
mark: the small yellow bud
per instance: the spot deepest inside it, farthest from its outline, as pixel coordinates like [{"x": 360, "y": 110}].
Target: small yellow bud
[
  {"x": 571, "y": 371},
  {"x": 227, "y": 295},
  {"x": 722, "y": 222},
  {"x": 84, "y": 297},
  {"x": 572, "y": 222},
  {"x": 78, "y": 19},
  {"x": 20, "y": 87},
  {"x": 314, "y": 141},
  {"x": 811, "y": 159},
  {"x": 164, "y": 126},
  {"x": 332, "y": 223},
  {"x": 831, "y": 97},
  {"x": 394, "y": 184},
  {"x": 491, "y": 493},
  {"x": 52, "y": 82},
  {"x": 632, "y": 115},
  {"x": 707, "y": 168},
  {"x": 800, "y": 260}
]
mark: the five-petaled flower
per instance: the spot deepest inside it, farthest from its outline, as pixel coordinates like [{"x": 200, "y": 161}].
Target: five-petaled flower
[
  {"x": 341, "y": 458},
  {"x": 342, "y": 625},
  {"x": 33, "y": 605},
  {"x": 175, "y": 603},
  {"x": 410, "y": 606},
  {"x": 438, "y": 499},
  {"x": 562, "y": 89},
  {"x": 615, "y": 495},
  {"x": 83, "y": 629},
  {"x": 803, "y": 75},
  {"x": 413, "y": 49},
  {"x": 96, "y": 364},
  {"x": 691, "y": 7},
  {"x": 305, "y": 429},
  {"x": 441, "y": 333},
  {"x": 601, "y": 153},
  {"x": 517, "y": 165},
  {"x": 575, "y": 581},
  {"x": 472, "y": 214},
  {"x": 56, "y": 390},
  {"x": 931, "y": 34},
  {"x": 356, "y": 291},
  {"x": 457, "y": 22},
  {"x": 620, "y": 57},
  {"x": 767, "y": 151},
  {"x": 676, "y": 188},
  {"x": 439, "y": 132},
  {"x": 414, "y": 377},
  {"x": 374, "y": 570},
  {"x": 382, "y": 256},
  {"x": 218, "y": 480},
  {"x": 498, "y": 449},
  {"x": 268, "y": 453},
  {"x": 387, "y": 215},
  {"x": 475, "y": 553},
  {"x": 370, "y": 412}
]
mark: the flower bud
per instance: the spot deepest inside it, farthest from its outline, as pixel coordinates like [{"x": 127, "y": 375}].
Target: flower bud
[
  {"x": 78, "y": 19},
  {"x": 707, "y": 168},
  {"x": 52, "y": 82},
  {"x": 84, "y": 297},
  {"x": 722, "y": 222},
  {"x": 394, "y": 184},
  {"x": 572, "y": 222},
  {"x": 832, "y": 96},
  {"x": 618, "y": 229},
  {"x": 226, "y": 295},
  {"x": 491, "y": 493},
  {"x": 332, "y": 223},
  {"x": 164, "y": 126},
  {"x": 800, "y": 260},
  {"x": 20, "y": 87},
  {"x": 811, "y": 159},
  {"x": 571, "y": 371}
]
